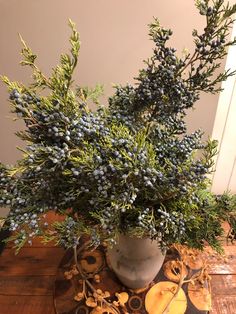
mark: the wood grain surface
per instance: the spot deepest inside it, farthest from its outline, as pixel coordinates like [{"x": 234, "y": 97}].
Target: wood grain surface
[
  {"x": 225, "y": 265},
  {"x": 26, "y": 304},
  {"x": 27, "y": 279},
  {"x": 26, "y": 285}
]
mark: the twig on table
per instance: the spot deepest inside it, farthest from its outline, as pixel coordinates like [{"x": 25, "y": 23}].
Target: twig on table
[{"x": 87, "y": 282}]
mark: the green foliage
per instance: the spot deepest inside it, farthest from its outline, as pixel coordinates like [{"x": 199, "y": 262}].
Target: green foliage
[
  {"x": 93, "y": 94},
  {"x": 130, "y": 167}
]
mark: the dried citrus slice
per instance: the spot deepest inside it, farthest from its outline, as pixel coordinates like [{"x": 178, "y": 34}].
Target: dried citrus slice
[
  {"x": 91, "y": 262},
  {"x": 200, "y": 296},
  {"x": 173, "y": 270},
  {"x": 161, "y": 294}
]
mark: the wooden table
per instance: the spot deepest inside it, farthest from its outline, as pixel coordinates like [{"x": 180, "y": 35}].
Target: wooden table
[{"x": 27, "y": 280}]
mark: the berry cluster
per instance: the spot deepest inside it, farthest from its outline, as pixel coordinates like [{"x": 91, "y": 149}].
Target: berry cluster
[{"x": 130, "y": 167}]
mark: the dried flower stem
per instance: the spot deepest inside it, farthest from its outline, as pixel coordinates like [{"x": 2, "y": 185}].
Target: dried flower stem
[
  {"x": 85, "y": 279},
  {"x": 181, "y": 282}
]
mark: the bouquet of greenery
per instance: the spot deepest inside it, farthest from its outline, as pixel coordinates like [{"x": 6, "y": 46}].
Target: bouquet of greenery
[{"x": 129, "y": 167}]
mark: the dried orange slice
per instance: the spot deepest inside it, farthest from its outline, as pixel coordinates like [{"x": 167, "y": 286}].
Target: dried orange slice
[{"x": 161, "y": 294}]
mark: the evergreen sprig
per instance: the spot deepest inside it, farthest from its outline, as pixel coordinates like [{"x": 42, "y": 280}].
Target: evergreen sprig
[{"x": 131, "y": 167}]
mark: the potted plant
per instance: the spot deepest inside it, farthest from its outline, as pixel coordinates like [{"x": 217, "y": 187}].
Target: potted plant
[{"x": 127, "y": 171}]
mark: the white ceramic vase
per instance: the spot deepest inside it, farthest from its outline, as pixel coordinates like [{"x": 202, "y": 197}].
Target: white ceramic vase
[{"x": 136, "y": 261}]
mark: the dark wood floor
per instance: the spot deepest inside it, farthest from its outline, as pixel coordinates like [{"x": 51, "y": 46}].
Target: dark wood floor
[
  {"x": 223, "y": 273},
  {"x": 27, "y": 280}
]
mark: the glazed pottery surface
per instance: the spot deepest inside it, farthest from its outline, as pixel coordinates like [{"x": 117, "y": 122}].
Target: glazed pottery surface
[{"x": 136, "y": 261}]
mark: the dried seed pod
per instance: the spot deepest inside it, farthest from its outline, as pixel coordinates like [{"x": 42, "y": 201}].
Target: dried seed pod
[
  {"x": 99, "y": 291},
  {"x": 79, "y": 296},
  {"x": 68, "y": 275},
  {"x": 100, "y": 298},
  {"x": 97, "y": 278},
  {"x": 91, "y": 302},
  {"x": 116, "y": 303},
  {"x": 191, "y": 257},
  {"x": 107, "y": 294},
  {"x": 74, "y": 270},
  {"x": 174, "y": 270},
  {"x": 122, "y": 297}
]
